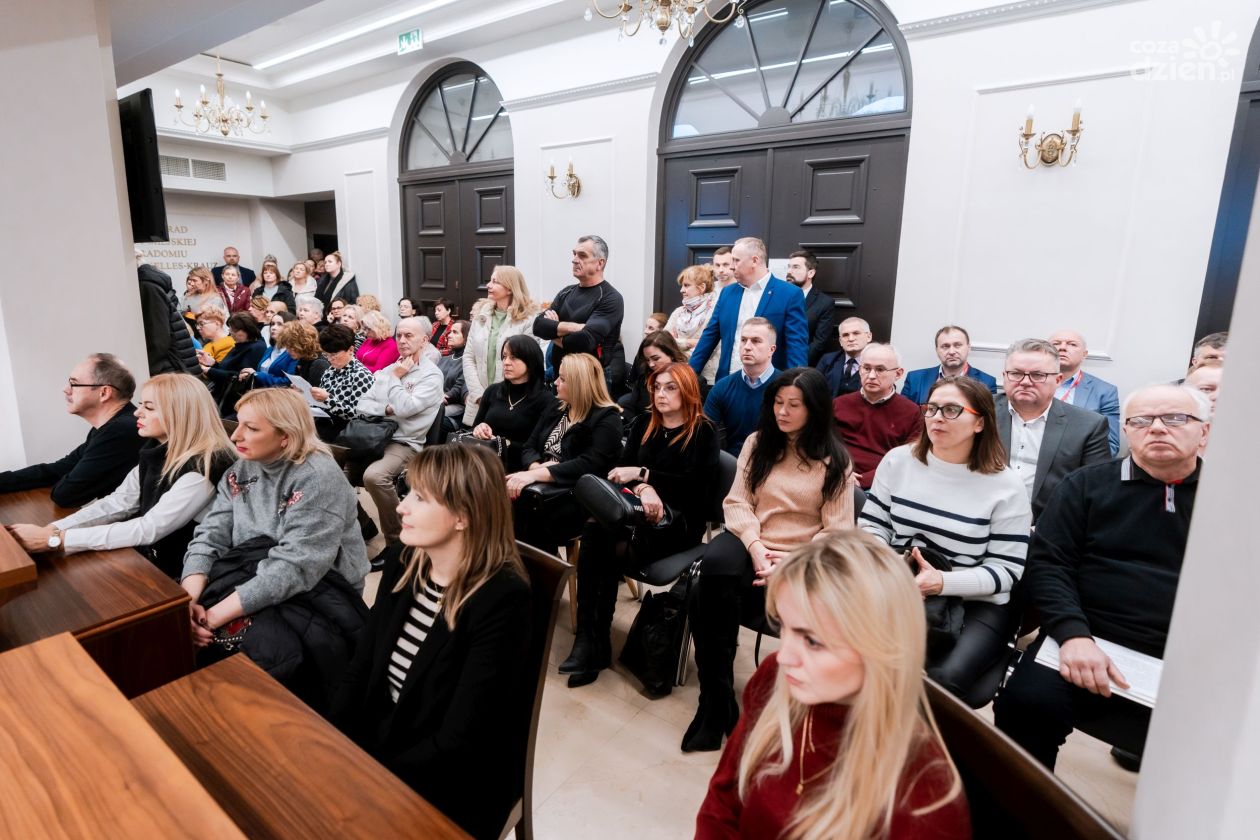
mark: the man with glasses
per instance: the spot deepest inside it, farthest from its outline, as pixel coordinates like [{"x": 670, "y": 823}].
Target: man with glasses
[
  {"x": 586, "y": 316},
  {"x": 1104, "y": 564},
  {"x": 953, "y": 347},
  {"x": 876, "y": 419},
  {"x": 99, "y": 390},
  {"x": 1084, "y": 390},
  {"x": 1045, "y": 438}
]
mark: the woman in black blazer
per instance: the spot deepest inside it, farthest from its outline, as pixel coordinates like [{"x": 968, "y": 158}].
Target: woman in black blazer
[
  {"x": 437, "y": 691},
  {"x": 580, "y": 434}
]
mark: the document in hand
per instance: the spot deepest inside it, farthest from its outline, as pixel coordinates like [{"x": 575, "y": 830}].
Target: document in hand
[
  {"x": 1141, "y": 671},
  {"x": 305, "y": 387}
]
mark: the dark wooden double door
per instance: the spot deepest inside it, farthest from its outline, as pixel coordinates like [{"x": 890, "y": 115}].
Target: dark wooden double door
[
  {"x": 455, "y": 232},
  {"x": 842, "y": 200}
]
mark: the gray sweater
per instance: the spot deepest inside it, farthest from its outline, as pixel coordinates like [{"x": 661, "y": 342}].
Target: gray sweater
[{"x": 309, "y": 509}]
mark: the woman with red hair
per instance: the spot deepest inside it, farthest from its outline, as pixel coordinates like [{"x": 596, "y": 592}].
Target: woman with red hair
[{"x": 670, "y": 462}]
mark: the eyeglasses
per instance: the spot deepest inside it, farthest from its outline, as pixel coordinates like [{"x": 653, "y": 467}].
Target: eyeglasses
[
  {"x": 665, "y": 388},
  {"x": 1037, "y": 376},
  {"x": 1171, "y": 421},
  {"x": 952, "y": 411},
  {"x": 878, "y": 370},
  {"x": 74, "y": 384}
]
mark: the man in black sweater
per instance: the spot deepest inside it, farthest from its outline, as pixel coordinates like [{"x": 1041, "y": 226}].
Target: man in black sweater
[
  {"x": 586, "y": 316},
  {"x": 99, "y": 391},
  {"x": 1104, "y": 563}
]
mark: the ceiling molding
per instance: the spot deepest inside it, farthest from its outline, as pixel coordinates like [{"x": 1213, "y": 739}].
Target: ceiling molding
[
  {"x": 341, "y": 140},
  {"x": 261, "y": 148},
  {"x": 584, "y": 92},
  {"x": 999, "y": 16}
]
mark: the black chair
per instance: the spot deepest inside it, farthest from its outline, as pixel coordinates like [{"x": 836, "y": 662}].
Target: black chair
[
  {"x": 547, "y": 575},
  {"x": 1010, "y": 794}
]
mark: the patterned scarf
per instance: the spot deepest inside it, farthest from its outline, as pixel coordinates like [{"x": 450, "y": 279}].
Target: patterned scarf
[{"x": 691, "y": 317}]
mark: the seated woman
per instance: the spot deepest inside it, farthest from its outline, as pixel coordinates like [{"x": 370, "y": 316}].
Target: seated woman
[
  {"x": 301, "y": 340},
  {"x": 159, "y": 502},
  {"x": 512, "y": 408},
  {"x": 837, "y": 739},
  {"x": 271, "y": 285},
  {"x": 952, "y": 492},
  {"x": 443, "y": 317},
  {"x": 578, "y": 434},
  {"x": 794, "y": 481},
  {"x": 408, "y": 308},
  {"x": 670, "y": 460},
  {"x": 278, "y": 362},
  {"x": 302, "y": 284},
  {"x": 215, "y": 341},
  {"x": 688, "y": 321},
  {"x": 235, "y": 295},
  {"x": 198, "y": 290},
  {"x": 352, "y": 316},
  {"x": 345, "y": 380},
  {"x": 656, "y": 351},
  {"x": 247, "y": 353},
  {"x": 283, "y": 521},
  {"x": 506, "y": 310},
  {"x": 378, "y": 350},
  {"x": 435, "y": 718}
]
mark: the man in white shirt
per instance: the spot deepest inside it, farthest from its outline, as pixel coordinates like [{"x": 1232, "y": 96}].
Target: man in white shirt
[{"x": 1045, "y": 438}]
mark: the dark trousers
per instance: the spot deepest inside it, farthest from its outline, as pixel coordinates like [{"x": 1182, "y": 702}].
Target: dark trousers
[
  {"x": 983, "y": 643},
  {"x": 724, "y": 596},
  {"x": 546, "y": 524},
  {"x": 1039, "y": 709}
]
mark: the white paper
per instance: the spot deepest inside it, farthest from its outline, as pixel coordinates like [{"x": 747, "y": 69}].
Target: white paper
[
  {"x": 302, "y": 385},
  {"x": 1140, "y": 671}
]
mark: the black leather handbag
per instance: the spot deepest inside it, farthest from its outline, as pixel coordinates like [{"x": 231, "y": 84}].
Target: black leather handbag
[
  {"x": 944, "y": 612},
  {"x": 613, "y": 505},
  {"x": 367, "y": 437}
]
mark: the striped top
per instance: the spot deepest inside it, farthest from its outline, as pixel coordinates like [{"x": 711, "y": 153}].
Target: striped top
[
  {"x": 428, "y": 601},
  {"x": 981, "y": 522}
]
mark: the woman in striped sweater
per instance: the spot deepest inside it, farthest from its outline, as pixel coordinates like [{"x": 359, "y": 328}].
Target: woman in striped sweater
[
  {"x": 952, "y": 492},
  {"x": 435, "y": 687}
]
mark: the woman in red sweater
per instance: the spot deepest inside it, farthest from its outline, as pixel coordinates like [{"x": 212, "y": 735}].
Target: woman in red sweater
[{"x": 837, "y": 740}]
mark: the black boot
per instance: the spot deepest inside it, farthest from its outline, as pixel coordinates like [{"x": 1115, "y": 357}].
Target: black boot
[
  {"x": 715, "y": 623},
  {"x": 366, "y": 526},
  {"x": 592, "y": 647}
]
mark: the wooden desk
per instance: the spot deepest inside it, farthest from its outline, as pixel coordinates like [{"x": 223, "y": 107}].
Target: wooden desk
[
  {"x": 130, "y": 617},
  {"x": 79, "y": 761},
  {"x": 276, "y": 767},
  {"x": 17, "y": 569}
]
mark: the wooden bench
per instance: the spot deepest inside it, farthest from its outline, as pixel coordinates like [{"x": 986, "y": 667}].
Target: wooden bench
[
  {"x": 130, "y": 617},
  {"x": 17, "y": 569},
  {"x": 79, "y": 761},
  {"x": 276, "y": 767}
]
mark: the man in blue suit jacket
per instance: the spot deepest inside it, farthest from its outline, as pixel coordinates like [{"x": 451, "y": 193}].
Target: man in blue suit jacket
[
  {"x": 760, "y": 294},
  {"x": 953, "y": 346},
  {"x": 1085, "y": 390}
]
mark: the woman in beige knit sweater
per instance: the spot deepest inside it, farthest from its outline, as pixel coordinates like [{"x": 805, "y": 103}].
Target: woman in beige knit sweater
[{"x": 794, "y": 481}]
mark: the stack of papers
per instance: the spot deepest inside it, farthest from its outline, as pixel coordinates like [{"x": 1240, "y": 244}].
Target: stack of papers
[
  {"x": 1142, "y": 672},
  {"x": 302, "y": 385}
]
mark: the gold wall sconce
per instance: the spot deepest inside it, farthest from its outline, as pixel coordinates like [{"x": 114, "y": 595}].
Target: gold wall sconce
[
  {"x": 571, "y": 186},
  {"x": 1056, "y": 148}
]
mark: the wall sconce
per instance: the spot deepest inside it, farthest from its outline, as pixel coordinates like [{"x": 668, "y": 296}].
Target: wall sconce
[
  {"x": 1054, "y": 148},
  {"x": 571, "y": 186}
]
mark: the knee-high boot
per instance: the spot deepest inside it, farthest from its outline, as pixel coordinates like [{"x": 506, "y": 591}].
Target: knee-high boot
[
  {"x": 597, "y": 599},
  {"x": 715, "y": 624}
]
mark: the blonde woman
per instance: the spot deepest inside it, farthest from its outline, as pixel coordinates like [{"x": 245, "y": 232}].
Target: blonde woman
[
  {"x": 198, "y": 290},
  {"x": 302, "y": 283},
  {"x": 288, "y": 500},
  {"x": 836, "y": 739},
  {"x": 215, "y": 341},
  {"x": 379, "y": 350},
  {"x": 155, "y": 509},
  {"x": 506, "y": 310},
  {"x": 368, "y": 303},
  {"x": 688, "y": 321},
  {"x": 578, "y": 434},
  {"x": 432, "y": 717}
]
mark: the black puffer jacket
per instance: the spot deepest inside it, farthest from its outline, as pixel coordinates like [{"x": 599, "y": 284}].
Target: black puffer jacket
[
  {"x": 306, "y": 642},
  {"x": 166, "y": 335}
]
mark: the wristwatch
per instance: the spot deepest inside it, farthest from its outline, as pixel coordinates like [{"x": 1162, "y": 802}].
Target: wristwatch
[
  {"x": 55, "y": 540},
  {"x": 643, "y": 473}
]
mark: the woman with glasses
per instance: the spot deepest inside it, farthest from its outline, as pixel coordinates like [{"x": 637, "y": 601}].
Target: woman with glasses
[
  {"x": 952, "y": 493},
  {"x": 341, "y": 385},
  {"x": 669, "y": 462}
]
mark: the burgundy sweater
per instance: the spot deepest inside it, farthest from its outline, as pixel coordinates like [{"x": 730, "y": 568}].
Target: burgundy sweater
[
  {"x": 869, "y": 431},
  {"x": 770, "y": 801}
]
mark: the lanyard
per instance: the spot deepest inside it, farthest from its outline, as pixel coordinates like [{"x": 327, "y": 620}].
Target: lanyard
[{"x": 1076, "y": 380}]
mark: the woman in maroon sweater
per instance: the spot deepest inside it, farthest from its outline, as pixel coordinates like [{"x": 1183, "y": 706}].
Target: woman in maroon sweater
[{"x": 836, "y": 739}]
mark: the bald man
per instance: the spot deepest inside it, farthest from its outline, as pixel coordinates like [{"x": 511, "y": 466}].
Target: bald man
[
  {"x": 1084, "y": 390},
  {"x": 1104, "y": 564}
]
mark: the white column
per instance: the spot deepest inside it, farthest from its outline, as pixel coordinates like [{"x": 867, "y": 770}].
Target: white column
[{"x": 69, "y": 285}]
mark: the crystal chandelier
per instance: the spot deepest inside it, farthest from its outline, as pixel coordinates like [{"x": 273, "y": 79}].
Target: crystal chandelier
[
  {"x": 664, "y": 14},
  {"x": 222, "y": 114}
]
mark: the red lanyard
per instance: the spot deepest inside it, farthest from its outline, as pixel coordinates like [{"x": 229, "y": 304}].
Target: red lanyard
[{"x": 1076, "y": 380}]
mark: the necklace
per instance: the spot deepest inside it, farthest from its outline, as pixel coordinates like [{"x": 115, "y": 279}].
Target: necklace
[
  {"x": 807, "y": 738},
  {"x": 513, "y": 403}
]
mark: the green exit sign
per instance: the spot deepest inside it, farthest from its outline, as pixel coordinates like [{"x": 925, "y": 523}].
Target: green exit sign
[{"x": 409, "y": 41}]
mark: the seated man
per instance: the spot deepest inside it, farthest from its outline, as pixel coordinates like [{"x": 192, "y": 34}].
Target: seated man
[
  {"x": 99, "y": 391},
  {"x": 1104, "y": 563},
  {"x": 1045, "y": 438},
  {"x": 953, "y": 346},
  {"x": 409, "y": 392},
  {"x": 841, "y": 367},
  {"x": 734, "y": 403},
  {"x": 1084, "y": 390},
  {"x": 876, "y": 419},
  {"x": 1207, "y": 380},
  {"x": 1209, "y": 350}
]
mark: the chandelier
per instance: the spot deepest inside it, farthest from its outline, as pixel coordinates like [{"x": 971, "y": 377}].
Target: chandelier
[
  {"x": 665, "y": 14},
  {"x": 222, "y": 114}
]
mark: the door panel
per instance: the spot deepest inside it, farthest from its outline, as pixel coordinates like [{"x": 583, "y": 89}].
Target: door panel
[
  {"x": 485, "y": 238},
  {"x": 431, "y": 219}
]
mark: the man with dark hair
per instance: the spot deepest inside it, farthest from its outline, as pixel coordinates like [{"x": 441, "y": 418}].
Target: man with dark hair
[
  {"x": 820, "y": 308},
  {"x": 723, "y": 268},
  {"x": 734, "y": 403},
  {"x": 586, "y": 316},
  {"x": 231, "y": 256},
  {"x": 1209, "y": 350},
  {"x": 99, "y": 390},
  {"x": 953, "y": 346},
  {"x": 166, "y": 334}
]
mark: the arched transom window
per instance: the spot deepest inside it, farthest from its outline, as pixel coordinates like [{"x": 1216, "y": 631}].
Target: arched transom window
[
  {"x": 459, "y": 120},
  {"x": 794, "y": 61}
]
